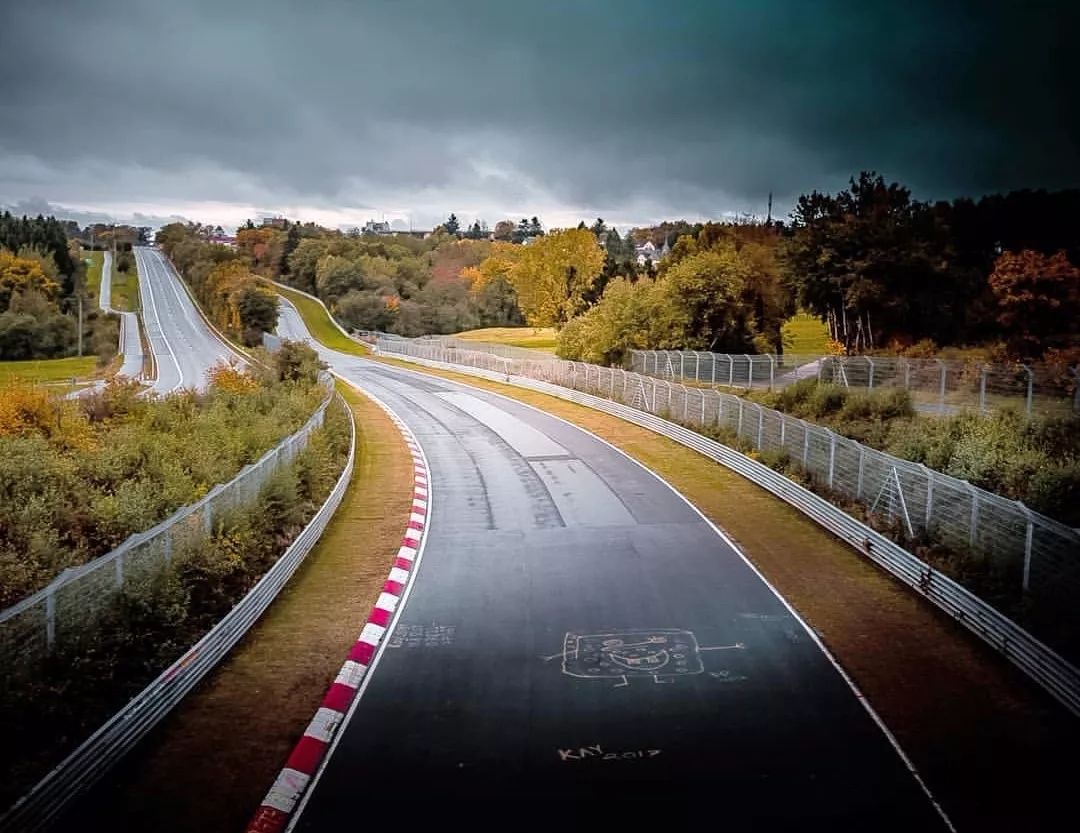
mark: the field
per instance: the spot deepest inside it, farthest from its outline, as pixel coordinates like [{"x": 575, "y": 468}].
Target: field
[
  {"x": 534, "y": 338},
  {"x": 48, "y": 370},
  {"x": 318, "y": 322},
  {"x": 805, "y": 335}
]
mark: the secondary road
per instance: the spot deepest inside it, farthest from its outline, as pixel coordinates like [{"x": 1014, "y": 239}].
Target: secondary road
[
  {"x": 582, "y": 650},
  {"x": 130, "y": 343},
  {"x": 184, "y": 347}
]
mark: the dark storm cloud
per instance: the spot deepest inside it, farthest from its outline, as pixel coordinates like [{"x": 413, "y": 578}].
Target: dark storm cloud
[{"x": 636, "y": 110}]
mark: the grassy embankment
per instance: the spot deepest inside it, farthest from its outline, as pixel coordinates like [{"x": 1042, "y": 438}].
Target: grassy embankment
[
  {"x": 321, "y": 326},
  {"x": 203, "y": 774},
  {"x": 534, "y": 338},
  {"x": 125, "y": 288},
  {"x": 94, "y": 262}
]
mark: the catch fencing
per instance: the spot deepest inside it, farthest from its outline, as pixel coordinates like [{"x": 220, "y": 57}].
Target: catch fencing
[
  {"x": 936, "y": 385},
  {"x": 1034, "y": 560},
  {"x": 79, "y": 595}
]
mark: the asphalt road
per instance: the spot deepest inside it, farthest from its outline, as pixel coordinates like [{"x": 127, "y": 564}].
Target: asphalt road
[
  {"x": 581, "y": 650},
  {"x": 184, "y": 347}
]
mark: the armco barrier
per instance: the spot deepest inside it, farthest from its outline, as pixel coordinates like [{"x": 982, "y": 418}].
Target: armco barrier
[
  {"x": 1055, "y": 674},
  {"x": 113, "y": 740}
]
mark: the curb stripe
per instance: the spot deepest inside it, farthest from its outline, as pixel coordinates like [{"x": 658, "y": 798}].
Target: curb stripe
[{"x": 303, "y": 762}]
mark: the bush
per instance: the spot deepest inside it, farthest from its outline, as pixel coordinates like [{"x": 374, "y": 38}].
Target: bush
[{"x": 78, "y": 477}]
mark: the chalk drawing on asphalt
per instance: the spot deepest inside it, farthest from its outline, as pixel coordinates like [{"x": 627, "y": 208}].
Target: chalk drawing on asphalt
[{"x": 664, "y": 654}]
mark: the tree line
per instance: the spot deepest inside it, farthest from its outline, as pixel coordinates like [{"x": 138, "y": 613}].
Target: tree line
[
  {"x": 42, "y": 285},
  {"x": 887, "y": 272}
]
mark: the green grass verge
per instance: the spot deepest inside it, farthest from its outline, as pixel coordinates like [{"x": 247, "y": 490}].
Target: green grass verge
[
  {"x": 48, "y": 370},
  {"x": 804, "y": 334},
  {"x": 534, "y": 338},
  {"x": 321, "y": 326},
  {"x": 125, "y": 289},
  {"x": 93, "y": 273}
]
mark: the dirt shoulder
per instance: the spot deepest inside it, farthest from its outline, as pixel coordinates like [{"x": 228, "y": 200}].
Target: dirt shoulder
[
  {"x": 991, "y": 745},
  {"x": 209, "y": 765}
]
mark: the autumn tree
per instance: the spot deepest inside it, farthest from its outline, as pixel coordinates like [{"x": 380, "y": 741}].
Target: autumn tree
[
  {"x": 1038, "y": 301},
  {"x": 504, "y": 231},
  {"x": 552, "y": 275},
  {"x": 23, "y": 274}
]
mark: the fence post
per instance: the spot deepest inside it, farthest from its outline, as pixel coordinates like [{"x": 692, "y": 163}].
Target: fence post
[
  {"x": 697, "y": 366},
  {"x": 668, "y": 397},
  {"x": 760, "y": 426},
  {"x": 973, "y": 524},
  {"x": 50, "y": 618},
  {"x": 805, "y": 445},
  {"x": 859, "y": 482},
  {"x": 941, "y": 395},
  {"x": 982, "y": 388},
  {"x": 713, "y": 356},
  {"x": 870, "y": 361},
  {"x": 682, "y": 364},
  {"x": 1030, "y": 386},
  {"x": 685, "y": 403},
  {"x": 783, "y": 432},
  {"x": 772, "y": 371},
  {"x": 731, "y": 370},
  {"x": 703, "y": 409},
  {"x": 929, "y": 495},
  {"x": 832, "y": 456},
  {"x": 1029, "y": 535}
]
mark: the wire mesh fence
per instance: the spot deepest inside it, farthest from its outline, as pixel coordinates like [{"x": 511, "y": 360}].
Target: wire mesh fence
[
  {"x": 78, "y": 596},
  {"x": 1033, "y": 559},
  {"x": 936, "y": 385}
]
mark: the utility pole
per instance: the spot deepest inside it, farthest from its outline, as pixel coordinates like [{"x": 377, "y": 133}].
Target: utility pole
[
  {"x": 80, "y": 324},
  {"x": 768, "y": 219}
]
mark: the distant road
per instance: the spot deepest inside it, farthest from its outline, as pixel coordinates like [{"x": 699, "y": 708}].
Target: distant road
[
  {"x": 184, "y": 347},
  {"x": 581, "y": 650}
]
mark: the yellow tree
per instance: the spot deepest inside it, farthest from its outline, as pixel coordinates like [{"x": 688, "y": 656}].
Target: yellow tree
[
  {"x": 552, "y": 274},
  {"x": 20, "y": 274}
]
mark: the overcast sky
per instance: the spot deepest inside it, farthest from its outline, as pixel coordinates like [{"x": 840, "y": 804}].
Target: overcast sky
[{"x": 633, "y": 111}]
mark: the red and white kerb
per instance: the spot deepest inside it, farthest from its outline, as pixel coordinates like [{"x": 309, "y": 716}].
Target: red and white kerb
[{"x": 274, "y": 812}]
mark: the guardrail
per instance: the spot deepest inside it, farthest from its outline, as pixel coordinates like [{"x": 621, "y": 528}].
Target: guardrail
[
  {"x": 71, "y": 602},
  {"x": 1045, "y": 666},
  {"x": 87, "y": 764}
]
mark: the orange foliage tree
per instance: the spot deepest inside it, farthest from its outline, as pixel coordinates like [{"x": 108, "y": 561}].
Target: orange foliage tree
[{"x": 1038, "y": 300}]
